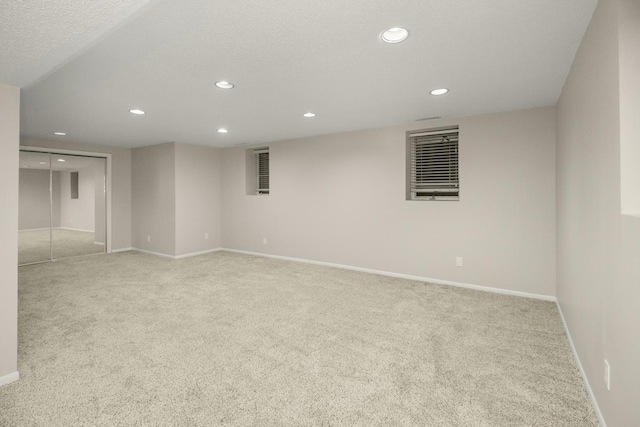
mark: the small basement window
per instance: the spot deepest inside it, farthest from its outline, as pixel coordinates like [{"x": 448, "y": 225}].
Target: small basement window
[
  {"x": 262, "y": 171},
  {"x": 432, "y": 164}
]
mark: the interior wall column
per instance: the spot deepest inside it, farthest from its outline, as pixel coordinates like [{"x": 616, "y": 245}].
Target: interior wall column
[{"x": 9, "y": 169}]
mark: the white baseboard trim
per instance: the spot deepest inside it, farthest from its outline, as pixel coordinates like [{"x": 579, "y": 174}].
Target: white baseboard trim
[
  {"x": 177, "y": 256},
  {"x": 9, "y": 378},
  {"x": 74, "y": 229},
  {"x": 208, "y": 251},
  {"x": 58, "y": 228},
  {"x": 401, "y": 276},
  {"x": 592, "y": 396},
  {"x": 144, "y": 251},
  {"x": 348, "y": 267},
  {"x": 115, "y": 251}
]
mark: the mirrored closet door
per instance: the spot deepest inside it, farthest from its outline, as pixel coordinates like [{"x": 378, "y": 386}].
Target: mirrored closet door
[
  {"x": 62, "y": 206},
  {"x": 34, "y": 224}
]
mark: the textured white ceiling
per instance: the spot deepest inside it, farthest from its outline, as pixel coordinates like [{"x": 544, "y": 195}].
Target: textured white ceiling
[
  {"x": 37, "y": 36},
  {"x": 287, "y": 57}
]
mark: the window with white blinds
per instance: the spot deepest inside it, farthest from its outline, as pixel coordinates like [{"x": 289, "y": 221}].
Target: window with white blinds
[
  {"x": 262, "y": 171},
  {"x": 432, "y": 164}
]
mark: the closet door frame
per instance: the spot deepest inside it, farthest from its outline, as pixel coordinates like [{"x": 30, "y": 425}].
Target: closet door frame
[{"x": 106, "y": 156}]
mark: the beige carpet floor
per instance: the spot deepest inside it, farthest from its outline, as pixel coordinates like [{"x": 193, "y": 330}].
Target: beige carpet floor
[
  {"x": 227, "y": 339},
  {"x": 33, "y": 245}
]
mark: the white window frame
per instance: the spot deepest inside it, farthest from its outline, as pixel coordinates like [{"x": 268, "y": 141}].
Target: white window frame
[
  {"x": 433, "y": 164},
  {"x": 261, "y": 171}
]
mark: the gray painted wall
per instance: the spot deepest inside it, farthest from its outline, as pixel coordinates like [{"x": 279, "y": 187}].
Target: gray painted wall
[
  {"x": 121, "y": 183},
  {"x": 198, "y": 198},
  {"x": 176, "y": 198},
  {"x": 598, "y": 247},
  {"x": 9, "y": 137},
  {"x": 153, "y": 195},
  {"x": 341, "y": 199}
]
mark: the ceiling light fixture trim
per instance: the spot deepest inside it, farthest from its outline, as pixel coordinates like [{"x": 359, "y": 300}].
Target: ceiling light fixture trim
[
  {"x": 222, "y": 130},
  {"x": 394, "y": 35},
  {"x": 309, "y": 115},
  {"x": 59, "y": 133},
  {"x": 438, "y": 92},
  {"x": 225, "y": 84},
  {"x": 137, "y": 111}
]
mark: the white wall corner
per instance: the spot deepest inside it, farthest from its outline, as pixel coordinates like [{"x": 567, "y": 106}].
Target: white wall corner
[
  {"x": 9, "y": 378},
  {"x": 208, "y": 251},
  {"x": 115, "y": 251},
  {"x": 144, "y": 251},
  {"x": 592, "y": 396},
  {"x": 191, "y": 254}
]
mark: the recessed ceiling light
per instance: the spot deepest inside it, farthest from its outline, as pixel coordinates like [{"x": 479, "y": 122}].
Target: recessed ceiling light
[
  {"x": 437, "y": 92},
  {"x": 224, "y": 85},
  {"x": 394, "y": 35},
  {"x": 59, "y": 133},
  {"x": 136, "y": 111},
  {"x": 222, "y": 130},
  {"x": 62, "y": 160},
  {"x": 309, "y": 114}
]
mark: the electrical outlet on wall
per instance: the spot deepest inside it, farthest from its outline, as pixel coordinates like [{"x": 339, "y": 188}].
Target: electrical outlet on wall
[
  {"x": 459, "y": 261},
  {"x": 206, "y": 235},
  {"x": 264, "y": 240},
  {"x": 607, "y": 374},
  {"x": 148, "y": 238}
]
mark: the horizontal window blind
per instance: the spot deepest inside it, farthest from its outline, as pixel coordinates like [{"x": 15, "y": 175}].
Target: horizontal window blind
[
  {"x": 433, "y": 165},
  {"x": 262, "y": 163}
]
